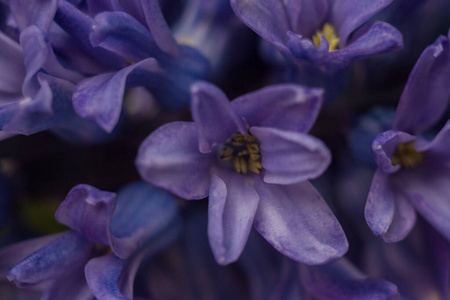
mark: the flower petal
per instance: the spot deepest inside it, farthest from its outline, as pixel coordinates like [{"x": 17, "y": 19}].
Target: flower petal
[
  {"x": 298, "y": 223},
  {"x": 290, "y": 157},
  {"x": 347, "y": 15},
  {"x": 88, "y": 211},
  {"x": 64, "y": 253},
  {"x": 142, "y": 213},
  {"x": 69, "y": 286},
  {"x": 27, "y": 13},
  {"x": 232, "y": 206},
  {"x": 212, "y": 114},
  {"x": 169, "y": 158},
  {"x": 267, "y": 18},
  {"x": 11, "y": 60},
  {"x": 437, "y": 149},
  {"x": 307, "y": 16},
  {"x": 284, "y": 106},
  {"x": 388, "y": 213},
  {"x": 372, "y": 39},
  {"x": 426, "y": 93}
]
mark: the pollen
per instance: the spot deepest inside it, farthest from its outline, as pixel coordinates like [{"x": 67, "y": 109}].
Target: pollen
[
  {"x": 330, "y": 34},
  {"x": 243, "y": 151},
  {"x": 406, "y": 155}
]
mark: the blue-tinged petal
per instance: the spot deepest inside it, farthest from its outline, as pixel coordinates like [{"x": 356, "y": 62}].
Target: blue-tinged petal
[
  {"x": 120, "y": 33},
  {"x": 142, "y": 212},
  {"x": 11, "y": 60},
  {"x": 88, "y": 211},
  {"x": 97, "y": 6},
  {"x": 285, "y": 106},
  {"x": 305, "y": 50},
  {"x": 347, "y": 15},
  {"x": 427, "y": 92},
  {"x": 33, "y": 12},
  {"x": 232, "y": 206},
  {"x": 103, "y": 274},
  {"x": 158, "y": 27},
  {"x": 297, "y": 222},
  {"x": 79, "y": 26},
  {"x": 388, "y": 212},
  {"x": 383, "y": 147},
  {"x": 67, "y": 252},
  {"x": 212, "y": 113},
  {"x": 289, "y": 157},
  {"x": 372, "y": 39},
  {"x": 38, "y": 55},
  {"x": 307, "y": 16},
  {"x": 267, "y": 18},
  {"x": 342, "y": 281},
  {"x": 13, "y": 254},
  {"x": 427, "y": 188},
  {"x": 169, "y": 158},
  {"x": 437, "y": 149},
  {"x": 71, "y": 285}
]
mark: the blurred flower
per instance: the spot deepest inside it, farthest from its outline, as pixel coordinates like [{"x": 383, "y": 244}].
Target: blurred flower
[
  {"x": 253, "y": 158},
  {"x": 413, "y": 174},
  {"x": 328, "y": 34}
]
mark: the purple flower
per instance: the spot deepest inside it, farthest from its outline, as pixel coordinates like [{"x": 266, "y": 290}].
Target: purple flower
[
  {"x": 326, "y": 33},
  {"x": 253, "y": 158},
  {"x": 413, "y": 174},
  {"x": 109, "y": 238}
]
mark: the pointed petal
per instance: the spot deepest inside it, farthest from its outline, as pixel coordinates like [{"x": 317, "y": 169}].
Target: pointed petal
[
  {"x": 426, "y": 93},
  {"x": 388, "y": 213},
  {"x": 169, "y": 158},
  {"x": 285, "y": 106},
  {"x": 120, "y": 33},
  {"x": 341, "y": 281},
  {"x": 60, "y": 255},
  {"x": 298, "y": 223},
  {"x": 142, "y": 213},
  {"x": 347, "y": 15},
  {"x": 11, "y": 60},
  {"x": 267, "y": 18},
  {"x": 212, "y": 113},
  {"x": 289, "y": 157},
  {"x": 88, "y": 211},
  {"x": 372, "y": 39},
  {"x": 232, "y": 206}
]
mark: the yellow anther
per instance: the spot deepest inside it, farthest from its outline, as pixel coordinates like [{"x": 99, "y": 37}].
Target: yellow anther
[
  {"x": 237, "y": 165},
  {"x": 249, "y": 138},
  {"x": 243, "y": 151},
  {"x": 243, "y": 165},
  {"x": 253, "y": 148},
  {"x": 254, "y": 157},
  {"x": 406, "y": 155},
  {"x": 330, "y": 34}
]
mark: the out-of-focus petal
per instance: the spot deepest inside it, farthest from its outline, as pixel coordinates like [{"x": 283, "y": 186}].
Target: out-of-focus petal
[
  {"x": 88, "y": 211},
  {"x": 341, "y": 281},
  {"x": 298, "y": 223},
  {"x": 11, "y": 60},
  {"x": 307, "y": 16},
  {"x": 267, "y": 18},
  {"x": 73, "y": 281},
  {"x": 347, "y": 15},
  {"x": 289, "y": 157},
  {"x": 169, "y": 158},
  {"x": 32, "y": 12},
  {"x": 285, "y": 106},
  {"x": 372, "y": 39},
  {"x": 388, "y": 212},
  {"x": 232, "y": 206},
  {"x": 64, "y": 253},
  {"x": 427, "y": 91},
  {"x": 120, "y": 33},
  {"x": 438, "y": 149},
  {"x": 212, "y": 113}
]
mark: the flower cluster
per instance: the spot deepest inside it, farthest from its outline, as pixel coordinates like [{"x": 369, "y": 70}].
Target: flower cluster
[{"x": 327, "y": 176}]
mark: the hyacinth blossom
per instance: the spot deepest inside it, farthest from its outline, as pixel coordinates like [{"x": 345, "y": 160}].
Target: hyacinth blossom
[
  {"x": 329, "y": 34},
  {"x": 413, "y": 174},
  {"x": 253, "y": 157},
  {"x": 109, "y": 238}
]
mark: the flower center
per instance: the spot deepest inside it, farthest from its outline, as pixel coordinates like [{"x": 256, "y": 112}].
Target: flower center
[
  {"x": 330, "y": 34},
  {"x": 406, "y": 155},
  {"x": 243, "y": 151}
]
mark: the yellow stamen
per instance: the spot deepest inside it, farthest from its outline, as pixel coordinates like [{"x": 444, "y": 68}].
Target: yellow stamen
[
  {"x": 330, "y": 34},
  {"x": 406, "y": 155},
  {"x": 243, "y": 151}
]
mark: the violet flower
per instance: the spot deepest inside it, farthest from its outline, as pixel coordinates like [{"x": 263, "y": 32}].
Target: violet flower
[
  {"x": 253, "y": 158},
  {"x": 413, "y": 174},
  {"x": 326, "y": 33},
  {"x": 101, "y": 223}
]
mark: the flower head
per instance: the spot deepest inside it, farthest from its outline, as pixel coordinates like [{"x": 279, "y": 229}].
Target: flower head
[{"x": 253, "y": 158}]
